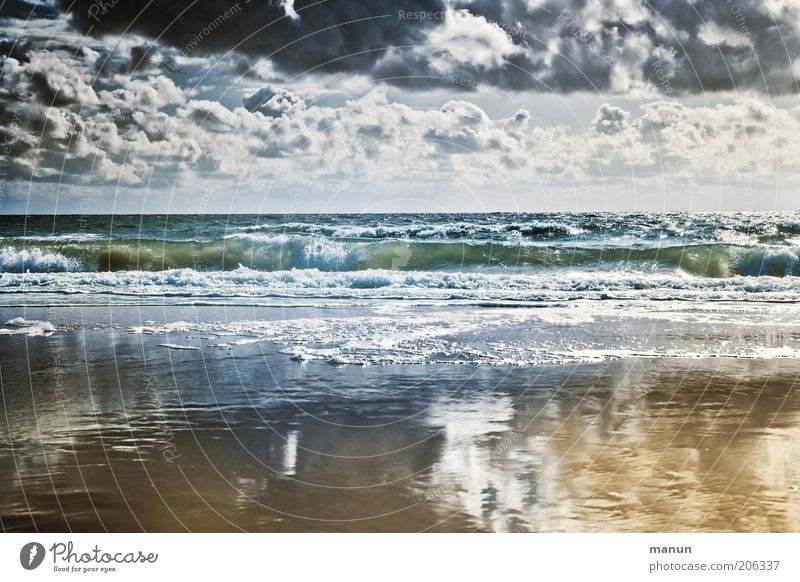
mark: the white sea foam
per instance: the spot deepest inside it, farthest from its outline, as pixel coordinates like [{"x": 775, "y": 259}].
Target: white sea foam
[
  {"x": 582, "y": 331},
  {"x": 316, "y": 252},
  {"x": 68, "y": 237},
  {"x": 326, "y": 253},
  {"x": 345, "y": 340},
  {"x": 152, "y": 328},
  {"x": 418, "y": 285},
  {"x": 21, "y": 326},
  {"x": 416, "y": 230},
  {"x": 179, "y": 347},
  {"x": 257, "y": 237},
  {"x": 34, "y": 260}
]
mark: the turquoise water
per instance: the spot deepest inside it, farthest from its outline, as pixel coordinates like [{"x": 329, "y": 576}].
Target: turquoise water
[{"x": 474, "y": 256}]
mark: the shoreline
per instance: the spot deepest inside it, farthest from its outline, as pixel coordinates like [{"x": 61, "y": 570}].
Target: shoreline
[{"x": 263, "y": 443}]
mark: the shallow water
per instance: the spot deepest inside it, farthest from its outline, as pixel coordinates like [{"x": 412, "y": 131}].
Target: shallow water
[
  {"x": 717, "y": 246},
  {"x": 102, "y": 428}
]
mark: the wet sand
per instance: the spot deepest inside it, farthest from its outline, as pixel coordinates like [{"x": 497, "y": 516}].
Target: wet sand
[{"x": 102, "y": 430}]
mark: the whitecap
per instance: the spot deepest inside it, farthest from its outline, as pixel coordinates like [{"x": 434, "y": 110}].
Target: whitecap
[
  {"x": 33, "y": 327},
  {"x": 35, "y": 260}
]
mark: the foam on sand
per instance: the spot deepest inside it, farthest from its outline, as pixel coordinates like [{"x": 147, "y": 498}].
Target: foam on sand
[
  {"x": 20, "y": 326},
  {"x": 575, "y": 332},
  {"x": 179, "y": 347}
]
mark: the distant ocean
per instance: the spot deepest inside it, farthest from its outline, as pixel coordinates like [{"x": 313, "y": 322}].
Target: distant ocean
[{"x": 486, "y": 372}]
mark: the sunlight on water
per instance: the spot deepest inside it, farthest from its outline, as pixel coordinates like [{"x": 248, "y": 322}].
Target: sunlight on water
[
  {"x": 632, "y": 445},
  {"x": 497, "y": 372}
]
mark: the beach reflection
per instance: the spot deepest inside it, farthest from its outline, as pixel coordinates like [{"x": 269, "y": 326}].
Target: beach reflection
[{"x": 261, "y": 444}]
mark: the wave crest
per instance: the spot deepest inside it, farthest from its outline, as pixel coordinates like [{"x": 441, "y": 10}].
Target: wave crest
[{"x": 35, "y": 260}]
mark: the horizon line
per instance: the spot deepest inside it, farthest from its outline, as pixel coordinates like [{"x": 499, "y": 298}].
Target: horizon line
[{"x": 80, "y": 214}]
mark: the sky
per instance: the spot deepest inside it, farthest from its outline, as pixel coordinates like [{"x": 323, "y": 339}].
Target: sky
[{"x": 290, "y": 106}]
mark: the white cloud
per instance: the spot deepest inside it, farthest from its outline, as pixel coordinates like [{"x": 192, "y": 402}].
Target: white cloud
[
  {"x": 141, "y": 129},
  {"x": 609, "y": 119},
  {"x": 467, "y": 38},
  {"x": 713, "y": 34},
  {"x": 148, "y": 94},
  {"x": 56, "y": 76}
]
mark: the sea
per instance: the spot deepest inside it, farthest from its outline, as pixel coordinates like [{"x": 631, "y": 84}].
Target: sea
[{"x": 400, "y": 372}]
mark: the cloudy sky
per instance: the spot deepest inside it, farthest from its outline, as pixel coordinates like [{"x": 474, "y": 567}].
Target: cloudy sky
[{"x": 413, "y": 105}]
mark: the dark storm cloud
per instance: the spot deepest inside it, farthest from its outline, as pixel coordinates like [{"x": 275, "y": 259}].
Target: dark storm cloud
[
  {"x": 714, "y": 45},
  {"x": 717, "y": 45},
  {"x": 16, "y": 49},
  {"x": 754, "y": 48},
  {"x": 334, "y": 29},
  {"x": 25, "y": 10}
]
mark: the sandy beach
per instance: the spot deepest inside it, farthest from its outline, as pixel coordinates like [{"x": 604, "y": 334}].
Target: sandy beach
[{"x": 105, "y": 427}]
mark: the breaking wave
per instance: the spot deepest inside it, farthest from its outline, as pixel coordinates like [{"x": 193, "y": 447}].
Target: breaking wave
[{"x": 271, "y": 253}]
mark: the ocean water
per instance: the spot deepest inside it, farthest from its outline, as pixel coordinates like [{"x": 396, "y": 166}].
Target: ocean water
[
  {"x": 415, "y": 288},
  {"x": 493, "y": 372},
  {"x": 408, "y": 255}
]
